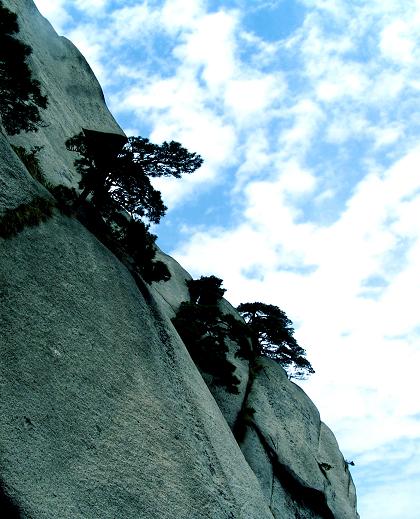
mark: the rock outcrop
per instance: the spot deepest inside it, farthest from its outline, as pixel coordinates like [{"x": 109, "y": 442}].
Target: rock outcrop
[{"x": 103, "y": 414}]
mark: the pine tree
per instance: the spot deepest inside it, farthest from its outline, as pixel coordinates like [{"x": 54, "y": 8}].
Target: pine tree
[
  {"x": 205, "y": 331},
  {"x": 271, "y": 333},
  {"x": 117, "y": 170}
]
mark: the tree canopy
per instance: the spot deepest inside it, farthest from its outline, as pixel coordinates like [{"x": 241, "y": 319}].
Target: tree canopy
[
  {"x": 206, "y": 291},
  {"x": 117, "y": 170},
  {"x": 202, "y": 329},
  {"x": 272, "y": 336},
  {"x": 205, "y": 331},
  {"x": 139, "y": 243},
  {"x": 20, "y": 94}
]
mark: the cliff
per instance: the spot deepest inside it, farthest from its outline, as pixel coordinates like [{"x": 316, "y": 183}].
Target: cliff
[{"x": 103, "y": 414}]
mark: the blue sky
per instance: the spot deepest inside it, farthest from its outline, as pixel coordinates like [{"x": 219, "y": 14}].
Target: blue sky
[{"x": 306, "y": 113}]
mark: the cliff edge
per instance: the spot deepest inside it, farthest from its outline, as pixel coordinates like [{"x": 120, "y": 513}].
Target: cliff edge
[{"x": 103, "y": 414}]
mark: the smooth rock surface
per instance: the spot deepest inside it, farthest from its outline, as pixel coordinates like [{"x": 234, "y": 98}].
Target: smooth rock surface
[
  {"x": 317, "y": 482},
  {"x": 170, "y": 294},
  {"x": 337, "y": 476},
  {"x": 16, "y": 184},
  {"x": 103, "y": 413},
  {"x": 304, "y": 468}
]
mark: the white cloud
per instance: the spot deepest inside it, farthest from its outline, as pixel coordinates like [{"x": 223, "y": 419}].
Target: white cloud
[
  {"x": 396, "y": 43},
  {"x": 337, "y": 8},
  {"x": 55, "y": 12},
  {"x": 388, "y": 136},
  {"x": 132, "y": 23},
  {"x": 306, "y": 116},
  {"x": 209, "y": 98},
  {"x": 181, "y": 14},
  {"x": 91, "y": 7},
  {"x": 256, "y": 154},
  {"x": 405, "y": 500},
  {"x": 211, "y": 44},
  {"x": 249, "y": 98},
  {"x": 342, "y": 80}
]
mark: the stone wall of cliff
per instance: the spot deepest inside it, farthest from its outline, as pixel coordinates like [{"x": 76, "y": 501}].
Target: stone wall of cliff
[{"x": 102, "y": 412}]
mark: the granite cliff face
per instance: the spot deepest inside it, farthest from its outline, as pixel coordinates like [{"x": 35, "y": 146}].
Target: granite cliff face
[{"x": 102, "y": 412}]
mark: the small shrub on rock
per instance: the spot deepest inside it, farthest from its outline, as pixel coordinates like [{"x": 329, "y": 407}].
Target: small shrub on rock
[
  {"x": 204, "y": 335},
  {"x": 206, "y": 290},
  {"x": 271, "y": 333},
  {"x": 32, "y": 164},
  {"x": 205, "y": 331},
  {"x": 139, "y": 243},
  {"x": 66, "y": 198},
  {"x": 115, "y": 176},
  {"x": 13, "y": 221},
  {"x": 117, "y": 170}
]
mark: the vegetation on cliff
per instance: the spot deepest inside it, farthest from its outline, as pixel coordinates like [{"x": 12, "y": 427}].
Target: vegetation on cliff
[
  {"x": 205, "y": 331},
  {"x": 266, "y": 331},
  {"x": 115, "y": 172},
  {"x": 30, "y": 214},
  {"x": 20, "y": 94},
  {"x": 271, "y": 335},
  {"x": 116, "y": 175}
]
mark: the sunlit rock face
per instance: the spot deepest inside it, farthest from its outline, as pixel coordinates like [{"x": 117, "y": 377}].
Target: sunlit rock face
[
  {"x": 295, "y": 456},
  {"x": 102, "y": 412}
]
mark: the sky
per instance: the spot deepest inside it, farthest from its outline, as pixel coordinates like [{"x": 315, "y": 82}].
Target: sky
[{"x": 306, "y": 113}]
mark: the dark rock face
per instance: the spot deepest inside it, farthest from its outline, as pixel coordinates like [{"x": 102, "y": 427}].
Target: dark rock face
[
  {"x": 7, "y": 506},
  {"x": 102, "y": 412}
]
